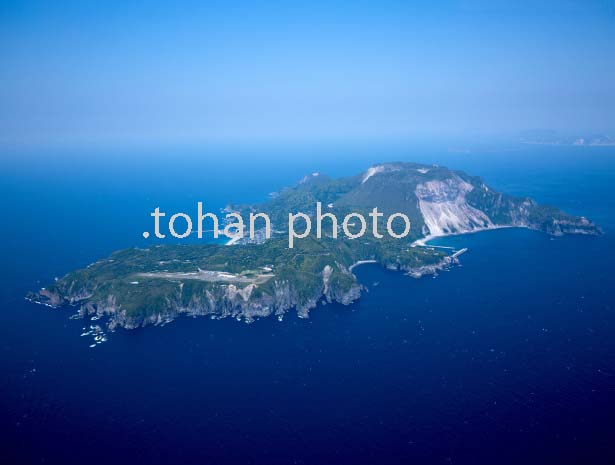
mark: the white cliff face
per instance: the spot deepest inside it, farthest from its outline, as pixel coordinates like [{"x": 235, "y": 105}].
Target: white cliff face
[
  {"x": 374, "y": 170},
  {"x": 445, "y": 210},
  {"x": 326, "y": 276},
  {"x": 371, "y": 172},
  {"x": 233, "y": 291}
]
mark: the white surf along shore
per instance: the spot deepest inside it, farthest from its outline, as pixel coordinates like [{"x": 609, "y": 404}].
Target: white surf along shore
[{"x": 424, "y": 241}]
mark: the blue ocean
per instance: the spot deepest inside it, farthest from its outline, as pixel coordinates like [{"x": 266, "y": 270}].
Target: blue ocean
[{"x": 508, "y": 358}]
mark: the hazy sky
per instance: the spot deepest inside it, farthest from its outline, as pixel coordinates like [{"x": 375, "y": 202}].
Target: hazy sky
[{"x": 124, "y": 73}]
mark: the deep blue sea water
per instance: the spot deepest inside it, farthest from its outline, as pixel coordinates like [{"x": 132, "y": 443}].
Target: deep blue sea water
[{"x": 509, "y": 358}]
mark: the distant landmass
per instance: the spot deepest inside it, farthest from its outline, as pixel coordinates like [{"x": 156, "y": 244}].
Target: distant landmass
[
  {"x": 552, "y": 138},
  {"x": 263, "y": 277}
]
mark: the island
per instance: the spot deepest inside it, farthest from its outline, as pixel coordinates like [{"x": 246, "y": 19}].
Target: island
[{"x": 259, "y": 277}]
